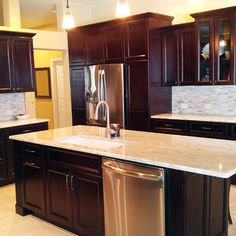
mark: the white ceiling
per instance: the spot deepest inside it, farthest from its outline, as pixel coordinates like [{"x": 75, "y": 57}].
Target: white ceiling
[{"x": 35, "y": 13}]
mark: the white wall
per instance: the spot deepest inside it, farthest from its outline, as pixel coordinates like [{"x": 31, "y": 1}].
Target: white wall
[{"x": 180, "y": 9}]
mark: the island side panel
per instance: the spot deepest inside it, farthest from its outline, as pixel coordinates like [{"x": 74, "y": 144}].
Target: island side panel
[{"x": 196, "y": 204}]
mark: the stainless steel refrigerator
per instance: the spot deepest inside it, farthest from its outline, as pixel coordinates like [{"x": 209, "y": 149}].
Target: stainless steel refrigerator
[{"x": 105, "y": 83}]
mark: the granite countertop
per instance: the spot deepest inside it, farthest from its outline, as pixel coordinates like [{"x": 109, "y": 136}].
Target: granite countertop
[
  {"x": 197, "y": 155},
  {"x": 193, "y": 117},
  {"x": 13, "y": 123}
]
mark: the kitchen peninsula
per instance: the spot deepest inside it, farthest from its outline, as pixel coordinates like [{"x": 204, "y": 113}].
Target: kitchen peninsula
[{"x": 60, "y": 180}]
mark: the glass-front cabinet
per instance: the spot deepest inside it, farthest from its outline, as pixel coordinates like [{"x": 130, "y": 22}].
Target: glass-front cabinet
[{"x": 215, "y": 44}]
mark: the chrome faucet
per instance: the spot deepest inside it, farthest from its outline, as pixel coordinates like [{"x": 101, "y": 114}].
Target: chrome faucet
[{"x": 108, "y": 114}]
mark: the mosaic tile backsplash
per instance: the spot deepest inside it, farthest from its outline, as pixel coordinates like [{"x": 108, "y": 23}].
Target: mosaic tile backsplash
[
  {"x": 209, "y": 100},
  {"x": 12, "y": 103}
]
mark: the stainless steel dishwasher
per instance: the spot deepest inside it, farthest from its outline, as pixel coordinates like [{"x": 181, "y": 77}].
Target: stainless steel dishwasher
[{"x": 133, "y": 200}]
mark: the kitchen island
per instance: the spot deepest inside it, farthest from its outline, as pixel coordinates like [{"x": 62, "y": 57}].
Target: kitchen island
[{"x": 59, "y": 177}]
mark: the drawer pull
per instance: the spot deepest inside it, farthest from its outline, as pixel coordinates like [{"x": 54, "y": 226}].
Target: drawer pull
[
  {"x": 169, "y": 125},
  {"x": 206, "y": 128},
  {"x": 30, "y": 151},
  {"x": 67, "y": 182},
  {"x": 31, "y": 164},
  {"x": 27, "y": 131},
  {"x": 1, "y": 159},
  {"x": 72, "y": 182}
]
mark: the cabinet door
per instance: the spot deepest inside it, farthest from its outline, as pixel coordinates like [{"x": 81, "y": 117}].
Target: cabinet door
[
  {"x": 58, "y": 195},
  {"x": 77, "y": 95},
  {"x": 23, "y": 64},
  {"x": 76, "y": 46},
  {"x": 205, "y": 51},
  {"x": 114, "y": 43},
  {"x": 137, "y": 95},
  {"x": 87, "y": 195},
  {"x": 136, "y": 39},
  {"x": 6, "y": 81},
  {"x": 186, "y": 56},
  {"x": 170, "y": 58},
  {"x": 224, "y": 50},
  {"x": 94, "y": 45},
  {"x": 33, "y": 187}
]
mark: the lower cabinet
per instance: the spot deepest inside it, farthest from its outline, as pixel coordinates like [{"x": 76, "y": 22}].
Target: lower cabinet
[{"x": 60, "y": 186}]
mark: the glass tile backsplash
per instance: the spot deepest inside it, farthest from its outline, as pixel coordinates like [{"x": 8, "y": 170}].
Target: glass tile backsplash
[{"x": 209, "y": 100}]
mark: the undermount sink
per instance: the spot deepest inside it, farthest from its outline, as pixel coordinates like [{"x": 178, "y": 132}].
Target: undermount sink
[{"x": 90, "y": 142}]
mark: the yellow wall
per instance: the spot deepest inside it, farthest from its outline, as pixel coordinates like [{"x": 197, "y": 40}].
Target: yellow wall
[{"x": 44, "y": 107}]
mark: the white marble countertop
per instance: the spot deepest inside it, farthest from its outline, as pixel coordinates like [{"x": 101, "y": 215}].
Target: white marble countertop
[
  {"x": 13, "y": 123},
  {"x": 211, "y": 157},
  {"x": 210, "y": 118}
]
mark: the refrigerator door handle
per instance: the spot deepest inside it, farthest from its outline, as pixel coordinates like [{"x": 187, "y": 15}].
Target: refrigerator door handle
[
  {"x": 105, "y": 86},
  {"x": 99, "y": 86}
]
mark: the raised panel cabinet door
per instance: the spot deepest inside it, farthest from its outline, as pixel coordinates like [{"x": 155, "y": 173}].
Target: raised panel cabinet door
[
  {"x": 87, "y": 192},
  {"x": 137, "y": 86},
  {"x": 59, "y": 208},
  {"x": 114, "y": 43},
  {"x": 186, "y": 56},
  {"x": 170, "y": 58},
  {"x": 33, "y": 187},
  {"x": 76, "y": 46},
  {"x": 10, "y": 160},
  {"x": 23, "y": 64},
  {"x": 6, "y": 78},
  {"x": 94, "y": 45},
  {"x": 78, "y": 95},
  {"x": 3, "y": 173},
  {"x": 136, "y": 39}
]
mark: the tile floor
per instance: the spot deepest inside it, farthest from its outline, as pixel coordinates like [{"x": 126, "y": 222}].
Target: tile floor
[{"x": 12, "y": 224}]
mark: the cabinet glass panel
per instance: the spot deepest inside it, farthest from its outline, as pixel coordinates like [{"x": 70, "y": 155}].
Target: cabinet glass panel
[
  {"x": 224, "y": 50},
  {"x": 204, "y": 31}
]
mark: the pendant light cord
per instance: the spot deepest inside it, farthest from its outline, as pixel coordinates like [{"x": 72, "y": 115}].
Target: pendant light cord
[{"x": 67, "y": 4}]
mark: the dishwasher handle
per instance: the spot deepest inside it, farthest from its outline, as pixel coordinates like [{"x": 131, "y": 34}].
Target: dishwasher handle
[{"x": 133, "y": 173}]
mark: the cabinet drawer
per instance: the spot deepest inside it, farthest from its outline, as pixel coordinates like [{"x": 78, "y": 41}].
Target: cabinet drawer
[
  {"x": 2, "y": 152},
  {"x": 31, "y": 152},
  {"x": 84, "y": 162},
  {"x": 25, "y": 129},
  {"x": 169, "y": 126},
  {"x": 207, "y": 129},
  {"x": 232, "y": 132}
]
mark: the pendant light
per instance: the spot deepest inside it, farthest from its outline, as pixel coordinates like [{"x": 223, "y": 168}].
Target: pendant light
[
  {"x": 68, "y": 20},
  {"x": 122, "y": 8}
]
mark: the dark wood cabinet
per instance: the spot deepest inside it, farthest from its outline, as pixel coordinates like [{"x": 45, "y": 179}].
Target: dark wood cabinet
[
  {"x": 32, "y": 176},
  {"x": 136, "y": 39},
  {"x": 177, "y": 47},
  {"x": 76, "y": 45},
  {"x": 94, "y": 45},
  {"x": 137, "y": 95},
  {"x": 78, "y": 95},
  {"x": 16, "y": 62},
  {"x": 7, "y": 151},
  {"x": 58, "y": 195},
  {"x": 215, "y": 46},
  {"x": 87, "y": 198},
  {"x": 195, "y": 204},
  {"x": 114, "y": 50},
  {"x": 6, "y": 81},
  {"x": 121, "y": 41},
  {"x": 23, "y": 64}
]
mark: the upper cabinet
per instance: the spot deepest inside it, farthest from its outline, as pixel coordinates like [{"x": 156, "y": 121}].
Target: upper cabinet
[
  {"x": 215, "y": 46},
  {"x": 114, "y": 41},
  {"x": 16, "y": 62},
  {"x": 177, "y": 54}
]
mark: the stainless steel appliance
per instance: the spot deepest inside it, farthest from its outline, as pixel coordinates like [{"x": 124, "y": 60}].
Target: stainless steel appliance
[
  {"x": 105, "y": 83},
  {"x": 133, "y": 200}
]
